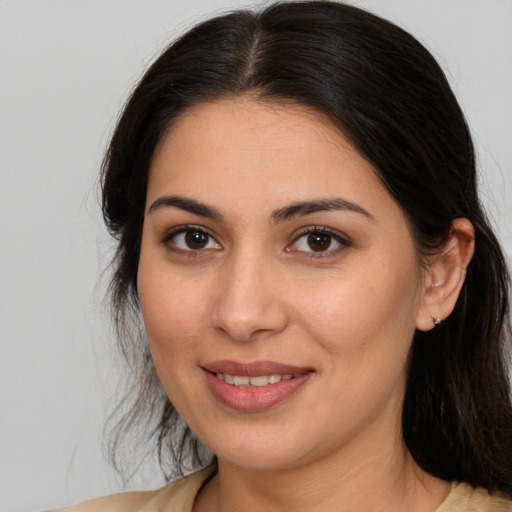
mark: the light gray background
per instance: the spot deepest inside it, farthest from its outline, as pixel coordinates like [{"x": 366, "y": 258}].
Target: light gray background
[{"x": 65, "y": 70}]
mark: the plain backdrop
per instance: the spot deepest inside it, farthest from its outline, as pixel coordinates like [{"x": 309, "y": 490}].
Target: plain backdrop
[{"x": 66, "y": 68}]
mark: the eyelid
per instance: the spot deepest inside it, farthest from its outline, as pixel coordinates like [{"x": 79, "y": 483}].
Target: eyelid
[
  {"x": 177, "y": 230},
  {"x": 340, "y": 237},
  {"x": 169, "y": 233}
]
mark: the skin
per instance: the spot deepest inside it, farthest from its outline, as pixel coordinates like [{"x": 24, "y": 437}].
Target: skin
[{"x": 258, "y": 291}]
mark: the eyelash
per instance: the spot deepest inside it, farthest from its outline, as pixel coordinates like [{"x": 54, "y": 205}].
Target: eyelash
[
  {"x": 168, "y": 237},
  {"x": 322, "y": 230},
  {"x": 342, "y": 240}
]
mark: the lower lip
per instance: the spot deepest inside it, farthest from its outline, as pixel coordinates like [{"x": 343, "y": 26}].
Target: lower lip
[{"x": 253, "y": 399}]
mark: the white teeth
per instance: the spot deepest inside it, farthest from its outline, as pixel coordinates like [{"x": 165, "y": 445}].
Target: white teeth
[
  {"x": 240, "y": 381},
  {"x": 263, "y": 380},
  {"x": 258, "y": 381}
]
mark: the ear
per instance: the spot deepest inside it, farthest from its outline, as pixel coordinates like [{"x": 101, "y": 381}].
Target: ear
[{"x": 445, "y": 275}]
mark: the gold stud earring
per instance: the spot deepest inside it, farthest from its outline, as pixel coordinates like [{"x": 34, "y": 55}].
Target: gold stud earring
[{"x": 436, "y": 320}]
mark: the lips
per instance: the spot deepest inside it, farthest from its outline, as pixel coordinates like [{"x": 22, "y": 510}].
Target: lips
[{"x": 254, "y": 386}]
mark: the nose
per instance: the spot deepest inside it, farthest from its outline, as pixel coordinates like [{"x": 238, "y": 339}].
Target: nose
[{"x": 249, "y": 302}]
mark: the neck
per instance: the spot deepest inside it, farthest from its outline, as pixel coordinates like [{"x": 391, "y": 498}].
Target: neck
[{"x": 361, "y": 481}]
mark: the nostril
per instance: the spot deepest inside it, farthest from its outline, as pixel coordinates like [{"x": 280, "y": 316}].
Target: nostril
[{"x": 247, "y": 305}]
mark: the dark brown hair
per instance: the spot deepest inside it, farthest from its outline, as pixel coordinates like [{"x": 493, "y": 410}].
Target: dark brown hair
[{"x": 388, "y": 95}]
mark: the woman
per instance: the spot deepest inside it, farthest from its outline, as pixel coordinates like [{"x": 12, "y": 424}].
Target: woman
[{"x": 294, "y": 197}]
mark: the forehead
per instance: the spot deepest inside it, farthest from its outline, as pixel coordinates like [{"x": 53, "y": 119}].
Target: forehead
[{"x": 246, "y": 143}]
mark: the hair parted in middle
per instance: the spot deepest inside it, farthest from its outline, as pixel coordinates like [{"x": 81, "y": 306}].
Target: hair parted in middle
[{"x": 385, "y": 92}]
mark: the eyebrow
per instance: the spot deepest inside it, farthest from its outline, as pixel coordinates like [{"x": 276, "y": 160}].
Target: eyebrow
[
  {"x": 317, "y": 205},
  {"x": 297, "y": 209},
  {"x": 188, "y": 205}
]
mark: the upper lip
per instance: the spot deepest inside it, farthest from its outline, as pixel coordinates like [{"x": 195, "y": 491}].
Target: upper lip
[{"x": 254, "y": 368}]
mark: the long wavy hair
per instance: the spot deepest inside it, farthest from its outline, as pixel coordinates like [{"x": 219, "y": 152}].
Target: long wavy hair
[{"x": 387, "y": 94}]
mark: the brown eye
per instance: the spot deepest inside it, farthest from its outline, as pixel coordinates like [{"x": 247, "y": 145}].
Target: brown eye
[
  {"x": 319, "y": 241},
  {"x": 196, "y": 239},
  {"x": 191, "y": 240}
]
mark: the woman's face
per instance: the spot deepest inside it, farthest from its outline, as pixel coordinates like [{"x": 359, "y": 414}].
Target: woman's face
[{"x": 279, "y": 286}]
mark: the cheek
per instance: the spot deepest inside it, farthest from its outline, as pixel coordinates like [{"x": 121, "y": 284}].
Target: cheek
[
  {"x": 173, "y": 322},
  {"x": 173, "y": 312},
  {"x": 369, "y": 314},
  {"x": 365, "y": 332}
]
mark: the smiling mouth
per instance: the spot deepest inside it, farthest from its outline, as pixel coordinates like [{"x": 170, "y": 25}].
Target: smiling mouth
[
  {"x": 255, "y": 386},
  {"x": 243, "y": 381}
]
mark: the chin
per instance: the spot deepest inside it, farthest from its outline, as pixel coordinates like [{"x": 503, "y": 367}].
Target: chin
[{"x": 260, "y": 449}]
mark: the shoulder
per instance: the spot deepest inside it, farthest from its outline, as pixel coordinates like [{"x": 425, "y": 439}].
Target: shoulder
[
  {"x": 178, "y": 496},
  {"x": 464, "y": 498}
]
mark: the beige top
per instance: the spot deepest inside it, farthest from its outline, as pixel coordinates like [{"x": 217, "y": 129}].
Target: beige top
[{"x": 179, "y": 496}]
